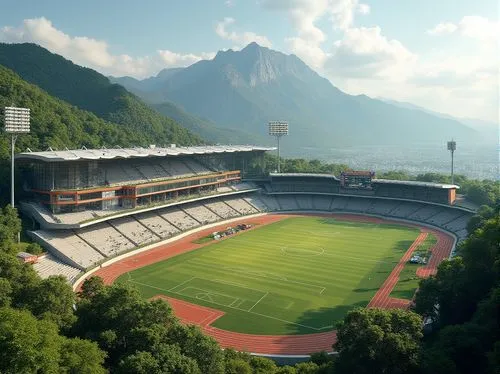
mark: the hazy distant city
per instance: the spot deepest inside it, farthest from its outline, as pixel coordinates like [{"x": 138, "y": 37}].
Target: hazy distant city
[{"x": 479, "y": 162}]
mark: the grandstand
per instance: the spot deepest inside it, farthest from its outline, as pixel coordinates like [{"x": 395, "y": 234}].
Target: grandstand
[
  {"x": 110, "y": 179},
  {"x": 49, "y": 265},
  {"x": 89, "y": 217},
  {"x": 158, "y": 225},
  {"x": 179, "y": 219},
  {"x": 90, "y": 246}
]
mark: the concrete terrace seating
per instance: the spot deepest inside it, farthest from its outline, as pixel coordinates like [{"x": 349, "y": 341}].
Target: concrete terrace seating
[
  {"x": 459, "y": 223},
  {"x": 179, "y": 219},
  {"x": 339, "y": 203},
  {"x": 49, "y": 265},
  {"x": 134, "y": 231},
  {"x": 132, "y": 173},
  {"x": 382, "y": 207},
  {"x": 201, "y": 214},
  {"x": 305, "y": 202},
  {"x": 115, "y": 175},
  {"x": 423, "y": 214},
  {"x": 222, "y": 209},
  {"x": 256, "y": 202},
  {"x": 196, "y": 167},
  {"x": 270, "y": 202},
  {"x": 71, "y": 247},
  {"x": 404, "y": 209},
  {"x": 152, "y": 172},
  {"x": 176, "y": 168},
  {"x": 106, "y": 239},
  {"x": 157, "y": 224},
  {"x": 287, "y": 202},
  {"x": 241, "y": 206},
  {"x": 321, "y": 202},
  {"x": 357, "y": 205},
  {"x": 462, "y": 234},
  {"x": 443, "y": 217}
]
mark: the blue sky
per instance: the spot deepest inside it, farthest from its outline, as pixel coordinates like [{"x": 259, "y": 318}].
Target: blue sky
[{"x": 438, "y": 54}]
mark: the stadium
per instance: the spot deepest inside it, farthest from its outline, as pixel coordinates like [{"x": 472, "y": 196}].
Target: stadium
[{"x": 264, "y": 263}]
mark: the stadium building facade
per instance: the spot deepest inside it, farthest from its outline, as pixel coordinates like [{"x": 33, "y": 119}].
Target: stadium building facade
[
  {"x": 109, "y": 179},
  {"x": 362, "y": 184}
]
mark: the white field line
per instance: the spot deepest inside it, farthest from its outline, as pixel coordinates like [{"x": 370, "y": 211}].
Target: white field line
[
  {"x": 180, "y": 284},
  {"x": 243, "y": 310},
  {"x": 258, "y": 301},
  {"x": 233, "y": 284},
  {"x": 203, "y": 291}
]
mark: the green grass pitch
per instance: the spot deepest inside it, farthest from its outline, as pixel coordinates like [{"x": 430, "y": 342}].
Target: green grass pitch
[{"x": 295, "y": 276}]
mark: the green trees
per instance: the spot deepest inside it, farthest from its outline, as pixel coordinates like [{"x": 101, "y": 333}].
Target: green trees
[
  {"x": 142, "y": 336},
  {"x": 10, "y": 225},
  {"x": 379, "y": 341},
  {"x": 28, "y": 345},
  {"x": 52, "y": 299},
  {"x": 55, "y": 123},
  {"x": 80, "y": 356},
  {"x": 464, "y": 301},
  {"x": 33, "y": 312}
]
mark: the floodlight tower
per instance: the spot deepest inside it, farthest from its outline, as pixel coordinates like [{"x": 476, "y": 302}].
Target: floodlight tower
[
  {"x": 16, "y": 121},
  {"x": 278, "y": 129},
  {"x": 452, "y": 146}
]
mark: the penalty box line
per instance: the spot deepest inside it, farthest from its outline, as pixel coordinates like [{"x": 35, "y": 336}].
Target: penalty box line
[
  {"x": 241, "y": 310},
  {"x": 178, "y": 291}
]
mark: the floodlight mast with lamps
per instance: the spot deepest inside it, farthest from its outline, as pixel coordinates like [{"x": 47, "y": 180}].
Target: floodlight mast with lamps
[
  {"x": 278, "y": 129},
  {"x": 452, "y": 146},
  {"x": 16, "y": 121}
]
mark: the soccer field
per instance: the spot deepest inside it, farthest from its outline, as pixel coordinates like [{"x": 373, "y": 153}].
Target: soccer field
[{"x": 296, "y": 276}]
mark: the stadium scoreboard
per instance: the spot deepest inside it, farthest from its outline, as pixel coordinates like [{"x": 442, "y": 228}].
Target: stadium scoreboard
[{"x": 357, "y": 179}]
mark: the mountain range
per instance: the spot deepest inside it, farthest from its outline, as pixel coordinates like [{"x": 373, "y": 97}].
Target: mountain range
[
  {"x": 243, "y": 90},
  {"x": 228, "y": 99},
  {"x": 488, "y": 129},
  {"x": 90, "y": 91}
]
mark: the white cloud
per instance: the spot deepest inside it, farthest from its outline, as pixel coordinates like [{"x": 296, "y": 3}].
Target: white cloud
[
  {"x": 241, "y": 39},
  {"x": 366, "y": 52},
  {"x": 443, "y": 28},
  {"x": 304, "y": 16},
  {"x": 176, "y": 59},
  {"x": 94, "y": 53},
  {"x": 479, "y": 28},
  {"x": 229, "y": 3},
  {"x": 305, "y": 13},
  {"x": 364, "y": 8},
  {"x": 311, "y": 53},
  {"x": 475, "y": 27},
  {"x": 460, "y": 81}
]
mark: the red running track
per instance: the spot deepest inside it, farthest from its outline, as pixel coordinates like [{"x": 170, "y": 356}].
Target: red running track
[{"x": 273, "y": 344}]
